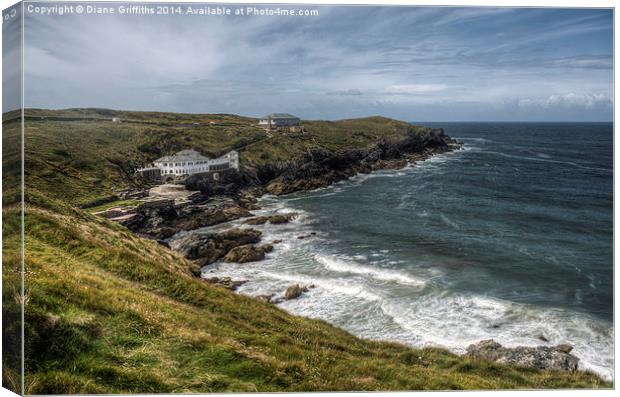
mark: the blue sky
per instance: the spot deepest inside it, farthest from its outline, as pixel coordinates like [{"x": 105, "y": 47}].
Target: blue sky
[{"x": 410, "y": 63}]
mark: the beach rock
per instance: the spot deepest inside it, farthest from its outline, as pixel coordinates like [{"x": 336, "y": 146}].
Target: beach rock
[
  {"x": 273, "y": 219},
  {"x": 151, "y": 218},
  {"x": 195, "y": 217},
  {"x": 226, "y": 282},
  {"x": 248, "y": 201},
  {"x": 276, "y": 188},
  {"x": 208, "y": 248},
  {"x": 294, "y": 291},
  {"x": 257, "y": 220},
  {"x": 248, "y": 253},
  {"x": 162, "y": 219},
  {"x": 556, "y": 358}
]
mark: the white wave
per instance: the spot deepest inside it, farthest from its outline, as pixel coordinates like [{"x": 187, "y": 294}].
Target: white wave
[
  {"x": 342, "y": 266},
  {"x": 456, "y": 321}
]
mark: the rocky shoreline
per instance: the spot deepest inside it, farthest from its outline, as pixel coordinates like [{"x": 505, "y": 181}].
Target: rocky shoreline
[{"x": 162, "y": 219}]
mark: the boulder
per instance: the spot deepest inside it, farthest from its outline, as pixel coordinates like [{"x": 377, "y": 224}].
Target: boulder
[
  {"x": 248, "y": 253},
  {"x": 273, "y": 219},
  {"x": 208, "y": 248},
  {"x": 276, "y": 188},
  {"x": 555, "y": 358},
  {"x": 294, "y": 291},
  {"x": 257, "y": 220}
]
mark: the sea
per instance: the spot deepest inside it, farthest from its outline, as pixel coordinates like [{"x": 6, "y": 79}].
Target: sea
[{"x": 509, "y": 238}]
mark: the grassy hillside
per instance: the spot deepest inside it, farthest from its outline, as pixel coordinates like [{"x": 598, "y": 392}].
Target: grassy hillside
[
  {"x": 83, "y": 152},
  {"x": 108, "y": 312}
]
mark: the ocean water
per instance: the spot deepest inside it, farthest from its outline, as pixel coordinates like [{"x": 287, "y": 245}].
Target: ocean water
[{"x": 510, "y": 238}]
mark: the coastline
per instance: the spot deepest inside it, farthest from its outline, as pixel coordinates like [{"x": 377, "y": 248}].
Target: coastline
[
  {"x": 226, "y": 242},
  {"x": 142, "y": 292}
]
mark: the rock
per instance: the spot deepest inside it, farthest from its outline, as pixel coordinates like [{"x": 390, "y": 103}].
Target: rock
[
  {"x": 564, "y": 348},
  {"x": 294, "y": 291},
  {"x": 208, "y": 248},
  {"x": 276, "y": 188},
  {"x": 321, "y": 167},
  {"x": 195, "y": 217},
  {"x": 276, "y": 241},
  {"x": 557, "y": 358},
  {"x": 542, "y": 338},
  {"x": 273, "y": 219},
  {"x": 257, "y": 220},
  {"x": 226, "y": 282},
  {"x": 281, "y": 218},
  {"x": 161, "y": 219},
  {"x": 395, "y": 164},
  {"x": 248, "y": 253}
]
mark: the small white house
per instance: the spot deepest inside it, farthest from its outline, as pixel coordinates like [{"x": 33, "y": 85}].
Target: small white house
[
  {"x": 116, "y": 119},
  {"x": 188, "y": 162}
]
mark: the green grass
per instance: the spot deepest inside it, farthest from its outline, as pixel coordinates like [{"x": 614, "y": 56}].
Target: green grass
[{"x": 109, "y": 312}]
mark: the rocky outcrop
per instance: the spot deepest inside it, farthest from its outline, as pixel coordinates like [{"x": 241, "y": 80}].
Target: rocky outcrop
[
  {"x": 162, "y": 219},
  {"x": 555, "y": 358},
  {"x": 321, "y": 167},
  {"x": 194, "y": 217},
  {"x": 248, "y": 253},
  {"x": 208, "y": 248},
  {"x": 277, "y": 219}
]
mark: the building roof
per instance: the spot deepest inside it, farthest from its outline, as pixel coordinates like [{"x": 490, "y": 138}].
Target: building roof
[
  {"x": 183, "y": 155},
  {"x": 279, "y": 116}
]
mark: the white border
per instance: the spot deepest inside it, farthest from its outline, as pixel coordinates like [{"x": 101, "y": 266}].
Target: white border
[{"x": 488, "y": 3}]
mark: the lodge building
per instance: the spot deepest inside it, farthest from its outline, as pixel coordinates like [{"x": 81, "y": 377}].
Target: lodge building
[{"x": 189, "y": 162}]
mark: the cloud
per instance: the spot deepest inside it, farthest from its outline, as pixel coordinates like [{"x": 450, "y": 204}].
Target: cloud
[
  {"x": 414, "y": 89},
  {"x": 348, "y": 61},
  {"x": 569, "y": 101},
  {"x": 349, "y": 92}
]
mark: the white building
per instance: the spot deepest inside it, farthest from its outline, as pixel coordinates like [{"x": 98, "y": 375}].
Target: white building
[
  {"x": 276, "y": 120},
  {"x": 188, "y": 162}
]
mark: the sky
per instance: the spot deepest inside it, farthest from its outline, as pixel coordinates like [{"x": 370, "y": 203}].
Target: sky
[{"x": 409, "y": 63}]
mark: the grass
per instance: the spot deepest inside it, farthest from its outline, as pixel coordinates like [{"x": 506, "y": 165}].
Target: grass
[{"x": 109, "y": 312}]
